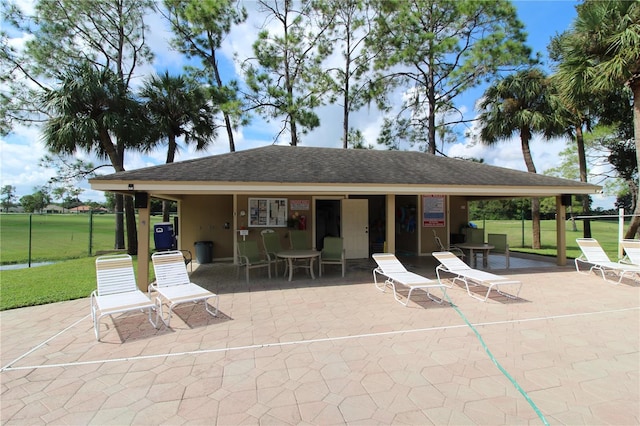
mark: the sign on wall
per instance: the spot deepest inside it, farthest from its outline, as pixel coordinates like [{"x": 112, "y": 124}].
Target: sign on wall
[
  {"x": 433, "y": 211},
  {"x": 299, "y": 204}
]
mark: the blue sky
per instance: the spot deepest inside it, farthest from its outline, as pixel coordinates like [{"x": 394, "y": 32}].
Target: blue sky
[{"x": 21, "y": 151}]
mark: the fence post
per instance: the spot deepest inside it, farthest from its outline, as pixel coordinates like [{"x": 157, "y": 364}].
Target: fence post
[
  {"x": 90, "y": 230},
  {"x": 30, "y": 228},
  {"x": 522, "y": 219}
]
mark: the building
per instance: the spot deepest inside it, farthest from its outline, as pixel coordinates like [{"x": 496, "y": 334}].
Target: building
[{"x": 369, "y": 197}]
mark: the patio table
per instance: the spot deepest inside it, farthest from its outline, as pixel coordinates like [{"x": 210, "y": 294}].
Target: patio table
[
  {"x": 291, "y": 255},
  {"x": 483, "y": 247}
]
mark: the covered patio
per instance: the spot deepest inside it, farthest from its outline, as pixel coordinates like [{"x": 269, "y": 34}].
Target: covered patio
[{"x": 336, "y": 351}]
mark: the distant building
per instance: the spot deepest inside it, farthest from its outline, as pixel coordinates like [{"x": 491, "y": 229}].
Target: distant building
[
  {"x": 80, "y": 209},
  {"x": 52, "y": 208}
]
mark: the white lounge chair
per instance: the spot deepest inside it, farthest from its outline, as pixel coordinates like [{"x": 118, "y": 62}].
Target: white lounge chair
[
  {"x": 453, "y": 249},
  {"x": 594, "y": 255},
  {"x": 117, "y": 291},
  {"x": 173, "y": 285},
  {"x": 450, "y": 264},
  {"x": 390, "y": 267},
  {"x": 631, "y": 252}
]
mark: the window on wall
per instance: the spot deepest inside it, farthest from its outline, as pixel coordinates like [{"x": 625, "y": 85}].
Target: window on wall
[{"x": 268, "y": 212}]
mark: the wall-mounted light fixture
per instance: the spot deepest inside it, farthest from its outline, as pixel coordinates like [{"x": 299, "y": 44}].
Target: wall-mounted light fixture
[{"x": 130, "y": 187}]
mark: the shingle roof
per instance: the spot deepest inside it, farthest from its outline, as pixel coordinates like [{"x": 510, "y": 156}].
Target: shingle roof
[{"x": 287, "y": 164}]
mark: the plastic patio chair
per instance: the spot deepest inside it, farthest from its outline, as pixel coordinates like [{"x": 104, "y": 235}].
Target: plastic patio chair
[
  {"x": 333, "y": 253},
  {"x": 298, "y": 240},
  {"x": 249, "y": 256},
  {"x": 272, "y": 246},
  {"x": 500, "y": 245}
]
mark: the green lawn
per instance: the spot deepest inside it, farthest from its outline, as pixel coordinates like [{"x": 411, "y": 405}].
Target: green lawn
[
  {"x": 605, "y": 232},
  {"x": 55, "y": 237},
  {"x": 65, "y": 280}
]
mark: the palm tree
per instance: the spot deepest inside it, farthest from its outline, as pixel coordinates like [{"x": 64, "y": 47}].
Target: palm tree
[
  {"x": 601, "y": 53},
  {"x": 177, "y": 108},
  {"x": 88, "y": 110},
  {"x": 580, "y": 108},
  {"x": 524, "y": 104}
]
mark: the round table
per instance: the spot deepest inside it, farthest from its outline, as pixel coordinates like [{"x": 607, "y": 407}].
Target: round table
[
  {"x": 291, "y": 255},
  {"x": 483, "y": 247}
]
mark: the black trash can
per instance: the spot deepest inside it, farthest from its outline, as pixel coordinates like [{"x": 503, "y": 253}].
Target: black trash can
[
  {"x": 164, "y": 237},
  {"x": 204, "y": 251}
]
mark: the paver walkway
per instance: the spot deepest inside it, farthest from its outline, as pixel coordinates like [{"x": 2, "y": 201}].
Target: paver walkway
[{"x": 335, "y": 351}]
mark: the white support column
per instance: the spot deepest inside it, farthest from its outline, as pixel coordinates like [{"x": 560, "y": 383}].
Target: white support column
[{"x": 620, "y": 232}]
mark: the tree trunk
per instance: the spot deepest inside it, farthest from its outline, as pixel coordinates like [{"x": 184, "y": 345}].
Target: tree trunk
[
  {"x": 171, "y": 155},
  {"x": 535, "y": 223},
  {"x": 431, "y": 96},
  {"x": 345, "y": 111},
  {"x": 227, "y": 119},
  {"x": 582, "y": 163},
  {"x": 294, "y": 132},
  {"x": 117, "y": 163},
  {"x": 525, "y": 136},
  {"x": 635, "y": 220}
]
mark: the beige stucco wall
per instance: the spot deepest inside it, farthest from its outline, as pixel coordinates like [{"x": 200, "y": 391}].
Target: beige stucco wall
[{"x": 203, "y": 218}]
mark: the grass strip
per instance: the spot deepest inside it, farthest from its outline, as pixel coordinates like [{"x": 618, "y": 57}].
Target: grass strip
[{"x": 67, "y": 280}]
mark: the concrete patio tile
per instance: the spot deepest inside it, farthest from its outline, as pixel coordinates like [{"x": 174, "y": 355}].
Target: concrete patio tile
[
  {"x": 289, "y": 414},
  {"x": 333, "y": 351},
  {"x": 157, "y": 412},
  {"x": 482, "y": 412},
  {"x": 359, "y": 407},
  {"x": 614, "y": 412},
  {"x": 309, "y": 392},
  {"x": 415, "y": 417}
]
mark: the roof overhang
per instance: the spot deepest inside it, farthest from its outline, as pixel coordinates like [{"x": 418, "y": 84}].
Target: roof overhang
[{"x": 177, "y": 189}]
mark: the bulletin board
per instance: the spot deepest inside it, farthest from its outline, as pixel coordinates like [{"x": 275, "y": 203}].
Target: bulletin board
[{"x": 268, "y": 212}]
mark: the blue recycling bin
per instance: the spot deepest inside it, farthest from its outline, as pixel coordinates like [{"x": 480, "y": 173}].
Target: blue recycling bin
[{"x": 164, "y": 237}]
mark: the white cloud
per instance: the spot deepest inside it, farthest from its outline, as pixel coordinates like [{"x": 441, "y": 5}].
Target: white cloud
[{"x": 19, "y": 158}]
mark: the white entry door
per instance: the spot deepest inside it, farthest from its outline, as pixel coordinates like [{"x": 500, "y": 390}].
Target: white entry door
[{"x": 355, "y": 228}]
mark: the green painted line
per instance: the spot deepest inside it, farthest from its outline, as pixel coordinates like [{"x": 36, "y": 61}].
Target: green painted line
[{"x": 500, "y": 367}]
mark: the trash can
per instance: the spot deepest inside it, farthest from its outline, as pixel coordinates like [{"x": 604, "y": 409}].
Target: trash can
[
  {"x": 163, "y": 236},
  {"x": 204, "y": 251}
]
